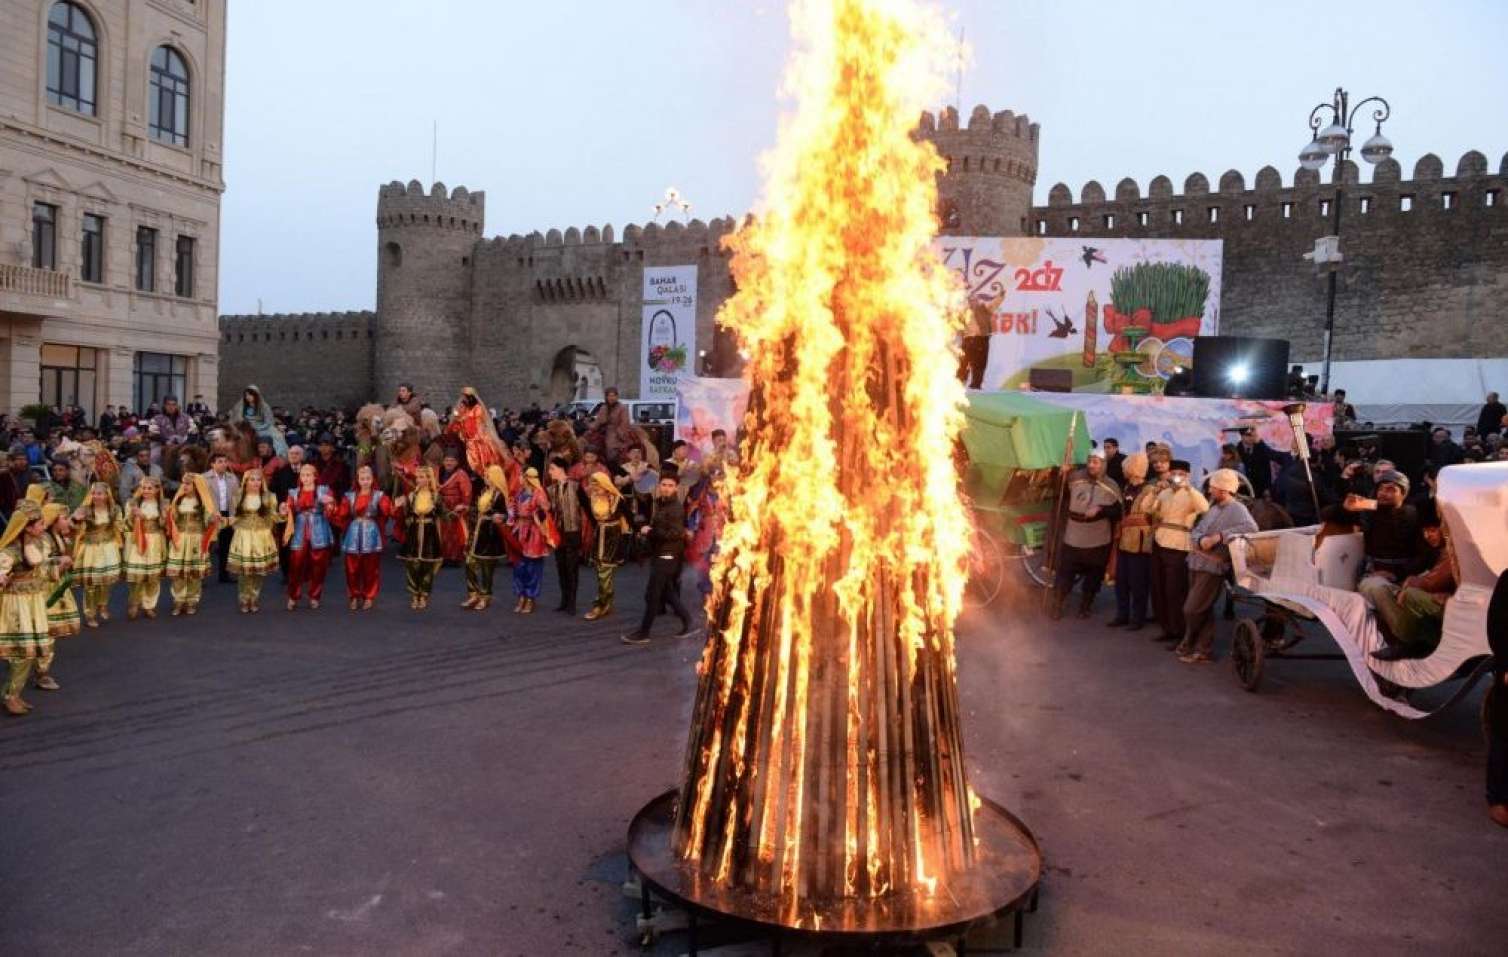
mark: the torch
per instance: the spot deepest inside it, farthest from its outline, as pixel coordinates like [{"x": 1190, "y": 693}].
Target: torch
[{"x": 1295, "y": 413}]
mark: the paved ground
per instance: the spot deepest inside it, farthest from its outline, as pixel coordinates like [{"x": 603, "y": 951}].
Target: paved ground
[{"x": 460, "y": 784}]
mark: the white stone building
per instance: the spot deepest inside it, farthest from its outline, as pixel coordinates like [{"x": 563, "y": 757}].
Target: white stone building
[{"x": 111, "y": 137}]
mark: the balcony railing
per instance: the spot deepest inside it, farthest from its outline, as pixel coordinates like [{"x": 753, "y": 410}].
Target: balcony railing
[{"x": 31, "y": 281}]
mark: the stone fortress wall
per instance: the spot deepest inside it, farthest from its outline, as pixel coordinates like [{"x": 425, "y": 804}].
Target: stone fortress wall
[{"x": 509, "y": 315}]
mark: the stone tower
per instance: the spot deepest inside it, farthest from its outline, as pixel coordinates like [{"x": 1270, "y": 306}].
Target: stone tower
[
  {"x": 992, "y": 165},
  {"x": 422, "y": 333}
]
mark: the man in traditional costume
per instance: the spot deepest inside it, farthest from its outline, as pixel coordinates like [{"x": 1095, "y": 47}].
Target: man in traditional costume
[
  {"x": 422, "y": 547},
  {"x": 1179, "y": 503},
  {"x": 611, "y": 429},
  {"x": 61, "y": 486},
  {"x": 611, "y": 513},
  {"x": 1133, "y": 557},
  {"x": 146, "y": 558},
  {"x": 473, "y": 423},
  {"x": 485, "y": 545},
  {"x": 192, "y": 523},
  {"x": 364, "y": 514},
  {"x": 26, "y": 578},
  {"x": 1209, "y": 563},
  {"x": 1094, "y": 505},
  {"x": 307, "y": 512},
  {"x": 99, "y": 552},
  {"x": 566, "y": 501}
]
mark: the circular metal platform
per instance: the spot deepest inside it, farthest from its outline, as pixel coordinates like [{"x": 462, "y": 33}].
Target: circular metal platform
[{"x": 1004, "y": 879}]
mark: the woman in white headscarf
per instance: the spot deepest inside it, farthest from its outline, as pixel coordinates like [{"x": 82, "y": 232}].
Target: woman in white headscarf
[{"x": 254, "y": 411}]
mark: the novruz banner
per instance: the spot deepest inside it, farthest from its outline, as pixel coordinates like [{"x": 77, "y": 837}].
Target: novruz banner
[
  {"x": 669, "y": 329},
  {"x": 1120, "y": 315}
]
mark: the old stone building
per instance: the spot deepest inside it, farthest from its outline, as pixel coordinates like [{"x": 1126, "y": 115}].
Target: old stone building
[
  {"x": 111, "y": 119},
  {"x": 1426, "y": 260}
]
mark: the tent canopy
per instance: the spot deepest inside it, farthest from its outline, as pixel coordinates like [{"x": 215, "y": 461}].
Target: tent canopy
[
  {"x": 1394, "y": 392},
  {"x": 1005, "y": 431}
]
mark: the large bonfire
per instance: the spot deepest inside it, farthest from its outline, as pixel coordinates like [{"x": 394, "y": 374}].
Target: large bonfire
[{"x": 825, "y": 759}]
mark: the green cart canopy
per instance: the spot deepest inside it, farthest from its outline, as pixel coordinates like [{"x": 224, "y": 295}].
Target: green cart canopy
[{"x": 1006, "y": 431}]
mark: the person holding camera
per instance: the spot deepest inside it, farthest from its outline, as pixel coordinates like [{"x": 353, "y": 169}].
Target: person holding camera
[{"x": 1178, "y": 504}]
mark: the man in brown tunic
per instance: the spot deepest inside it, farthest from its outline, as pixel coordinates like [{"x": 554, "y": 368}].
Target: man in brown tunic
[{"x": 1094, "y": 504}]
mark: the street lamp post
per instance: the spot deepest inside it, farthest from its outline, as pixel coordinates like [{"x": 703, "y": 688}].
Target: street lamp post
[{"x": 1335, "y": 140}]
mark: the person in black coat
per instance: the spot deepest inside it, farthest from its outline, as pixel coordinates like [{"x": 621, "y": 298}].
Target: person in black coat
[
  {"x": 666, "y": 533},
  {"x": 1490, "y": 419},
  {"x": 1497, "y": 704}
]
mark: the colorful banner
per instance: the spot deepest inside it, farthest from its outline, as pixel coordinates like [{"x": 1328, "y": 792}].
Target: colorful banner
[
  {"x": 668, "y": 337},
  {"x": 708, "y": 404},
  {"x": 1119, "y": 315},
  {"x": 1194, "y": 428}
]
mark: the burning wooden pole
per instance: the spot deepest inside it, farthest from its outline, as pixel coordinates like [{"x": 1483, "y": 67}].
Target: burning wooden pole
[{"x": 825, "y": 759}]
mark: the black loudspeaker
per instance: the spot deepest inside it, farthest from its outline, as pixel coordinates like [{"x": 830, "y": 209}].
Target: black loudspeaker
[
  {"x": 1050, "y": 380},
  {"x": 1237, "y": 367},
  {"x": 1407, "y": 449}
]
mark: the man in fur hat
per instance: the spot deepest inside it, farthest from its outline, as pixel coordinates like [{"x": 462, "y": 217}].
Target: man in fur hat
[{"x": 1094, "y": 505}]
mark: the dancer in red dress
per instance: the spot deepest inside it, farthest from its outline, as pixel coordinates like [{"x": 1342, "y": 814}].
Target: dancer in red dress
[
  {"x": 364, "y": 513},
  {"x": 308, "y": 536}
]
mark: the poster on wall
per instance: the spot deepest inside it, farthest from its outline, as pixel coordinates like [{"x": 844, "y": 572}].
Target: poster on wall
[
  {"x": 1117, "y": 315},
  {"x": 668, "y": 337}
]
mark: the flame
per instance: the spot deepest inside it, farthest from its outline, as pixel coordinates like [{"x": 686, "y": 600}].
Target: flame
[{"x": 826, "y": 734}]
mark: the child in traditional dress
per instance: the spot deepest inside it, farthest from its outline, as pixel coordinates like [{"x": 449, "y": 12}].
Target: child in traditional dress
[
  {"x": 97, "y": 560},
  {"x": 146, "y": 549},
  {"x": 534, "y": 531},
  {"x": 611, "y": 511},
  {"x": 63, "y": 619},
  {"x": 26, "y": 578},
  {"x": 422, "y": 550},
  {"x": 253, "y": 550},
  {"x": 192, "y": 525},
  {"x": 363, "y": 515},
  {"x": 486, "y": 547}
]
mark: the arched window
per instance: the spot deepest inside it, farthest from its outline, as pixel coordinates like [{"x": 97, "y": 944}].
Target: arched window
[
  {"x": 394, "y": 254},
  {"x": 72, "y": 56},
  {"x": 169, "y": 122}
]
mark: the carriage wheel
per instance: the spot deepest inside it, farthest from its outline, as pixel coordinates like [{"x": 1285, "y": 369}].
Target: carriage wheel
[
  {"x": 1034, "y": 562},
  {"x": 986, "y": 570},
  {"x": 1247, "y": 653}
]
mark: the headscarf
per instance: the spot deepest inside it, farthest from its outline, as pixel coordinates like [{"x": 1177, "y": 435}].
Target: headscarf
[
  {"x": 26, "y": 512},
  {"x": 262, "y": 421},
  {"x": 1135, "y": 467},
  {"x": 199, "y": 485},
  {"x": 531, "y": 479}
]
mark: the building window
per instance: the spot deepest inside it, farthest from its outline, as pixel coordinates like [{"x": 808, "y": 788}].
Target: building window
[
  {"x": 1073, "y": 224},
  {"x": 1109, "y": 220},
  {"x": 44, "y": 236},
  {"x": 92, "y": 249},
  {"x": 169, "y": 99},
  {"x": 1041, "y": 227},
  {"x": 1142, "y": 216},
  {"x": 1448, "y": 200},
  {"x": 1251, "y": 212},
  {"x": 1177, "y": 217},
  {"x": 1214, "y": 214},
  {"x": 68, "y": 377},
  {"x": 157, "y": 375},
  {"x": 1366, "y": 204},
  {"x": 1491, "y": 198},
  {"x": 1324, "y": 207},
  {"x": 183, "y": 281},
  {"x": 146, "y": 258},
  {"x": 394, "y": 255},
  {"x": 1406, "y": 202},
  {"x": 1287, "y": 210},
  {"x": 72, "y": 57}
]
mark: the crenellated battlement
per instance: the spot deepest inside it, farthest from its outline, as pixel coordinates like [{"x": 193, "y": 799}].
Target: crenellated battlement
[
  {"x": 410, "y": 206},
  {"x": 292, "y": 327},
  {"x": 647, "y": 236},
  {"x": 1199, "y": 210}
]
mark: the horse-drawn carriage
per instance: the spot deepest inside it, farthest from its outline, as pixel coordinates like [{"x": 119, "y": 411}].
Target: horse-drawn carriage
[{"x": 1302, "y": 588}]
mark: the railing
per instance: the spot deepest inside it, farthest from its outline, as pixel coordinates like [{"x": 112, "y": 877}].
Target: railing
[{"x": 31, "y": 281}]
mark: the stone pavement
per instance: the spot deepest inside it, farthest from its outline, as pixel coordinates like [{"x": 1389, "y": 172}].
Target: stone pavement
[{"x": 452, "y": 783}]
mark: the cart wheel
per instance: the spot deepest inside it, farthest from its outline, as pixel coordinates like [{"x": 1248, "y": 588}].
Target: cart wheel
[
  {"x": 986, "y": 570},
  {"x": 1034, "y": 561},
  {"x": 1247, "y": 652}
]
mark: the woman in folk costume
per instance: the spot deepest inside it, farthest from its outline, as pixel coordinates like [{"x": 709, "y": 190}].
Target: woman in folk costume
[
  {"x": 307, "y": 511},
  {"x": 98, "y": 552},
  {"x": 534, "y": 532},
  {"x": 609, "y": 539},
  {"x": 193, "y": 522},
  {"x": 422, "y": 547},
  {"x": 146, "y": 548},
  {"x": 63, "y": 619},
  {"x": 473, "y": 423},
  {"x": 253, "y": 551},
  {"x": 486, "y": 546},
  {"x": 26, "y": 579},
  {"x": 455, "y": 494},
  {"x": 255, "y": 412},
  {"x": 363, "y": 515}
]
